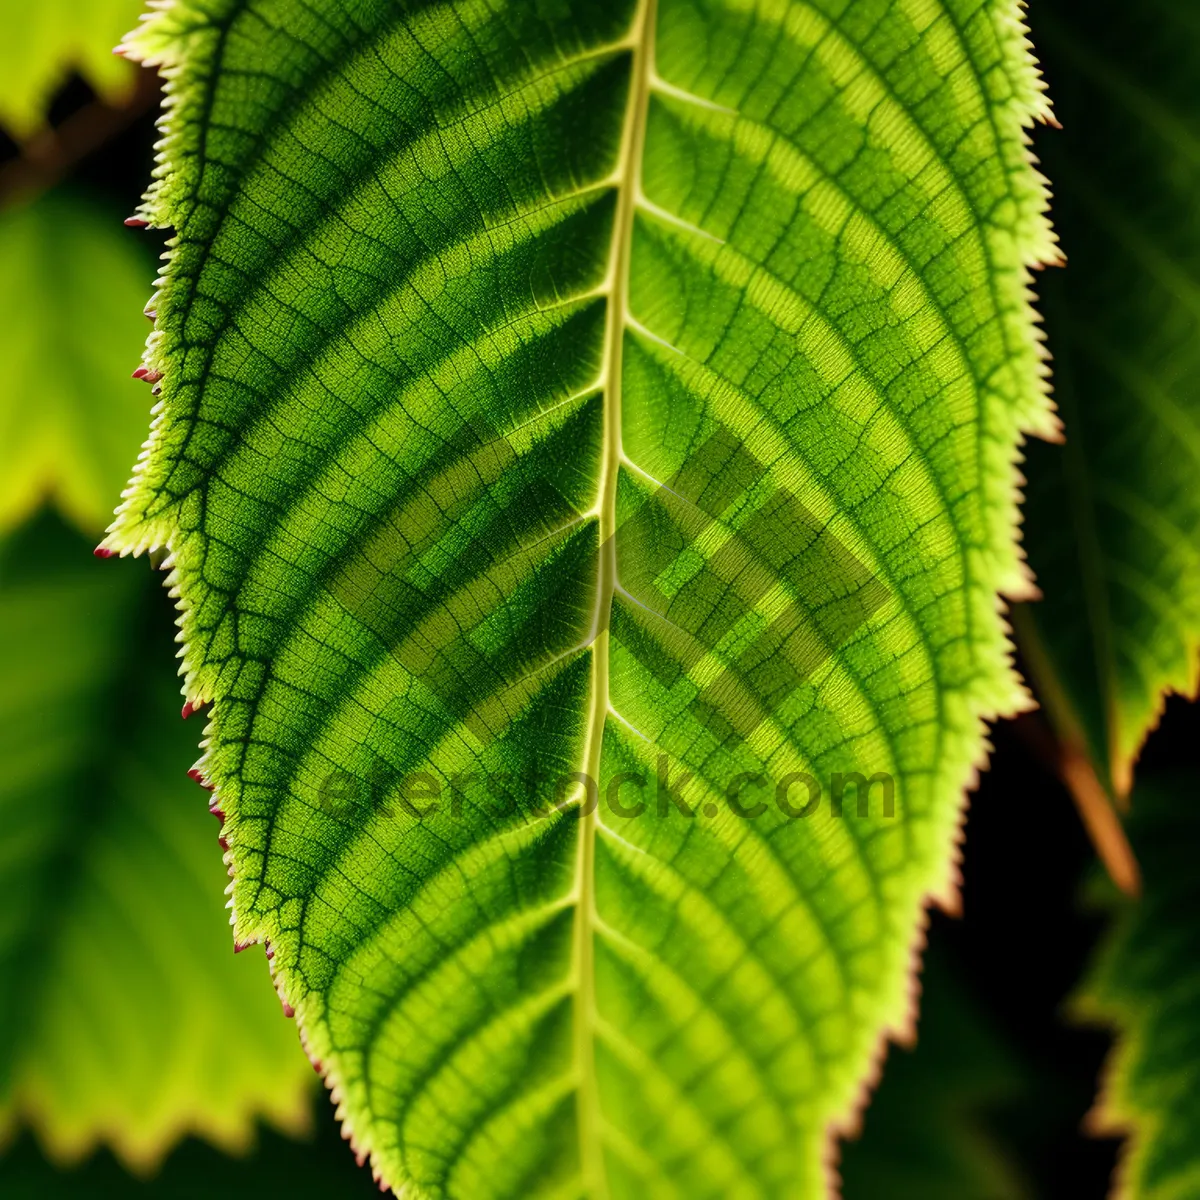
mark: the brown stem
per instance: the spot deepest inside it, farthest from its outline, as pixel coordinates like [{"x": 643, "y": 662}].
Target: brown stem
[
  {"x": 1101, "y": 820},
  {"x": 49, "y": 156},
  {"x": 1093, "y": 803}
]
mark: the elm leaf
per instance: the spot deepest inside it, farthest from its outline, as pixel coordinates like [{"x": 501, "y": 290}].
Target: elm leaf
[{"x": 568, "y": 407}]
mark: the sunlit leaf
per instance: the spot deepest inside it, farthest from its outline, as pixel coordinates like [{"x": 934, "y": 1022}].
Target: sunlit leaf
[
  {"x": 74, "y": 282},
  {"x": 44, "y": 40},
  {"x": 1145, "y": 983},
  {"x": 1114, "y": 515},
  {"x": 124, "y": 1017},
  {"x": 556, "y": 393}
]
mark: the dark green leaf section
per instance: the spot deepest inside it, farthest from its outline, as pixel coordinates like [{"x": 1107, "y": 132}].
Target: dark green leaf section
[
  {"x": 124, "y": 1018},
  {"x": 1114, "y": 515},
  {"x": 572, "y": 408},
  {"x": 1145, "y": 983},
  {"x": 930, "y": 1131}
]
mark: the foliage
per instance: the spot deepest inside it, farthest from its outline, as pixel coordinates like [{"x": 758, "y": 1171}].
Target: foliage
[
  {"x": 607, "y": 390},
  {"x": 70, "y": 332},
  {"x": 124, "y": 1017},
  {"x": 319, "y": 1169},
  {"x": 1146, "y": 984},
  {"x": 1113, "y": 526},
  {"x": 555, "y": 394}
]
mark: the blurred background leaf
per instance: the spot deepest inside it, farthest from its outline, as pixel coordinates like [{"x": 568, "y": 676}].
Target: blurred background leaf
[
  {"x": 319, "y": 1169},
  {"x": 71, "y": 331},
  {"x": 124, "y": 1016},
  {"x": 1112, "y": 522},
  {"x": 45, "y": 39},
  {"x": 1145, "y": 983}
]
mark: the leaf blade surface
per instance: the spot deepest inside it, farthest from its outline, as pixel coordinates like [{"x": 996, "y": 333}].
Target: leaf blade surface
[{"x": 559, "y": 395}]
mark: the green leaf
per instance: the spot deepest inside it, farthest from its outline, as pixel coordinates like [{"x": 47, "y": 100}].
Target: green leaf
[
  {"x": 1145, "y": 983},
  {"x": 124, "y": 1018},
  {"x": 556, "y": 393},
  {"x": 317, "y": 1168},
  {"x": 46, "y": 39},
  {"x": 929, "y": 1133},
  {"x": 70, "y": 334},
  {"x": 1114, "y": 515}
]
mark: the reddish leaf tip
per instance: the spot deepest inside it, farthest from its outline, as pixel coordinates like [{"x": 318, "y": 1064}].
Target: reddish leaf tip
[
  {"x": 103, "y": 552},
  {"x": 140, "y": 373},
  {"x": 196, "y": 777},
  {"x": 133, "y": 222}
]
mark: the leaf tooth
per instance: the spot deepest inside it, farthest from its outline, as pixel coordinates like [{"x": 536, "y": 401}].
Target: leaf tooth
[{"x": 197, "y": 776}]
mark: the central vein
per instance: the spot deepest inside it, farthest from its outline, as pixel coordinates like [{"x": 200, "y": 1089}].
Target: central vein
[{"x": 628, "y": 182}]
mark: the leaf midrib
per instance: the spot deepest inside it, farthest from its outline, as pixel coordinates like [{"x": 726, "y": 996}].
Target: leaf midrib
[{"x": 628, "y": 180}]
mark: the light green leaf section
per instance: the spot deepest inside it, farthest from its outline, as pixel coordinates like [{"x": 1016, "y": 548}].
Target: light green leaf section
[
  {"x": 593, "y": 401},
  {"x": 1145, "y": 983},
  {"x": 44, "y": 40},
  {"x": 124, "y": 1016},
  {"x": 1114, "y": 515},
  {"x": 72, "y": 282},
  {"x": 930, "y": 1132}
]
